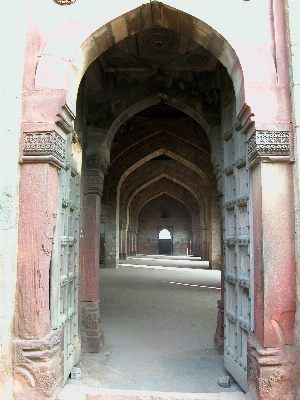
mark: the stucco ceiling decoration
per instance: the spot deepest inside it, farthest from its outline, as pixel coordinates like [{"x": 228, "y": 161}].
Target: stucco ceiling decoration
[
  {"x": 153, "y": 61},
  {"x": 64, "y": 2},
  {"x": 197, "y": 60},
  {"x": 123, "y": 62},
  {"x": 158, "y": 39}
]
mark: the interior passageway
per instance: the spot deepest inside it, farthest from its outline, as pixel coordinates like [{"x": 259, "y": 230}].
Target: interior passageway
[{"x": 159, "y": 323}]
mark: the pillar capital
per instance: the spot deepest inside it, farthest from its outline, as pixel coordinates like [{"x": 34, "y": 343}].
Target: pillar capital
[
  {"x": 95, "y": 183},
  {"x": 95, "y": 172},
  {"x": 268, "y": 146},
  {"x": 46, "y": 142}
]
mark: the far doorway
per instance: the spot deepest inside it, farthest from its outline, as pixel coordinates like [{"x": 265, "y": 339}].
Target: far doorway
[{"x": 164, "y": 242}]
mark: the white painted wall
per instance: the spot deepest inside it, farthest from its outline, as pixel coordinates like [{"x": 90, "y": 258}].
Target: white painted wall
[
  {"x": 227, "y": 17},
  {"x": 293, "y": 17},
  {"x": 13, "y": 25}
]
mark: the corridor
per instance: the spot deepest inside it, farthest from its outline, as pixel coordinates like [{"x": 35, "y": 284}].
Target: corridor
[{"x": 159, "y": 317}]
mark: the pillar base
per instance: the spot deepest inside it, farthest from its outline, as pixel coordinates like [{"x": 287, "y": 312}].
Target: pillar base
[
  {"x": 271, "y": 373},
  {"x": 92, "y": 335},
  {"x": 122, "y": 256},
  {"x": 219, "y": 334},
  {"x": 38, "y": 367},
  {"x": 111, "y": 264}
]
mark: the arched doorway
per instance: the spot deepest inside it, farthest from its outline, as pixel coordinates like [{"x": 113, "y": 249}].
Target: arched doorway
[
  {"x": 164, "y": 242},
  {"x": 202, "y": 79}
]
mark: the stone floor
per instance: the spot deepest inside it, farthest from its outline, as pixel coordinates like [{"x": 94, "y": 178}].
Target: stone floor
[{"x": 159, "y": 318}]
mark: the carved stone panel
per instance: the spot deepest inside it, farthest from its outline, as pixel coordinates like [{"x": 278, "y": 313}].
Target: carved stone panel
[
  {"x": 95, "y": 184},
  {"x": 44, "y": 147},
  {"x": 64, "y": 2},
  {"x": 265, "y": 143},
  {"x": 270, "y": 372},
  {"x": 40, "y": 362},
  {"x": 91, "y": 329}
]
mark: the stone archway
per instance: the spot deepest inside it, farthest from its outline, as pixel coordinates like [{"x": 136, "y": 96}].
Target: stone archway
[{"x": 265, "y": 152}]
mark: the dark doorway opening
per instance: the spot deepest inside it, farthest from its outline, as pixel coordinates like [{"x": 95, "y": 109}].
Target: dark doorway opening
[{"x": 164, "y": 246}]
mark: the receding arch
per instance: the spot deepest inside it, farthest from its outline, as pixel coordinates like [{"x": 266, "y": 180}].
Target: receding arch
[
  {"x": 157, "y": 153},
  {"x": 198, "y": 196},
  {"x": 158, "y": 193},
  {"x": 151, "y": 101}
]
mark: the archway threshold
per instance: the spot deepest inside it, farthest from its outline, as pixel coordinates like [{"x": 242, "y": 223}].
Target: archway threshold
[
  {"x": 83, "y": 392},
  {"x": 159, "y": 326}
]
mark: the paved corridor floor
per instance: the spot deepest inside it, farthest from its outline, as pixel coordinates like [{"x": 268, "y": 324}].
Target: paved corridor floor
[{"x": 159, "y": 323}]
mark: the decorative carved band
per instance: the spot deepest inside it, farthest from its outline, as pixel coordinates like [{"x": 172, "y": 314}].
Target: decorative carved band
[
  {"x": 39, "y": 362},
  {"x": 95, "y": 184},
  {"x": 64, "y": 2},
  {"x": 44, "y": 147},
  {"x": 264, "y": 143}
]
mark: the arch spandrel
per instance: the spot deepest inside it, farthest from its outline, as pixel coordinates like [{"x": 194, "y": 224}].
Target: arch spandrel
[{"x": 68, "y": 71}]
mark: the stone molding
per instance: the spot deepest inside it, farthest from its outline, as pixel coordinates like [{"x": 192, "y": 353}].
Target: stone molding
[
  {"x": 268, "y": 144},
  {"x": 91, "y": 328},
  {"x": 40, "y": 362},
  {"x": 271, "y": 372},
  {"x": 44, "y": 147},
  {"x": 95, "y": 184},
  {"x": 49, "y": 145},
  {"x": 95, "y": 162},
  {"x": 64, "y": 2}
]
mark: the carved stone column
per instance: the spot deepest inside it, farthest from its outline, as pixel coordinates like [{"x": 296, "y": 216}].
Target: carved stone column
[
  {"x": 37, "y": 348},
  {"x": 123, "y": 242},
  {"x": 204, "y": 243},
  {"x": 196, "y": 244},
  {"x": 91, "y": 331},
  {"x": 129, "y": 242},
  {"x": 134, "y": 242},
  {"x": 102, "y": 241},
  {"x": 271, "y": 351}
]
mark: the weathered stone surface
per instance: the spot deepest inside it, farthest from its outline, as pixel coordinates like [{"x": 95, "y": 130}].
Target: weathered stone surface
[
  {"x": 91, "y": 329},
  {"x": 271, "y": 371},
  {"x": 224, "y": 381},
  {"x": 37, "y": 367},
  {"x": 116, "y": 93}
]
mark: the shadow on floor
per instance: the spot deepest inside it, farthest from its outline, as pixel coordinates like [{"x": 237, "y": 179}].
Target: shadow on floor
[{"x": 159, "y": 326}]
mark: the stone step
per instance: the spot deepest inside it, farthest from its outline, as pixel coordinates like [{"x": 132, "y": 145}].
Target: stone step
[{"x": 83, "y": 392}]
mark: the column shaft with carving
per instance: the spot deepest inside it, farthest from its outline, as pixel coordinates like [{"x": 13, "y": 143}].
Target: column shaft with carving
[
  {"x": 37, "y": 349},
  {"x": 91, "y": 330},
  {"x": 123, "y": 242},
  {"x": 271, "y": 353}
]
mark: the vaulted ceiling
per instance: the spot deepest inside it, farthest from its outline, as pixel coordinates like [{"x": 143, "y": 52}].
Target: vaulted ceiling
[
  {"x": 159, "y": 150},
  {"x": 155, "y": 60}
]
